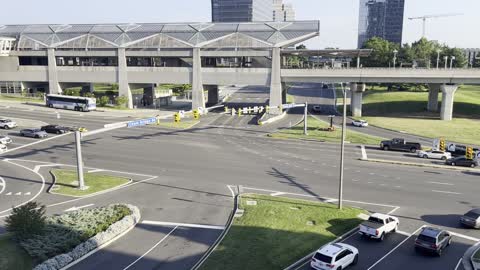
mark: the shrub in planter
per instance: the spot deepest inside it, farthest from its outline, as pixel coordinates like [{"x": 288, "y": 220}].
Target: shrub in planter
[
  {"x": 26, "y": 220},
  {"x": 103, "y": 101},
  {"x": 121, "y": 101}
]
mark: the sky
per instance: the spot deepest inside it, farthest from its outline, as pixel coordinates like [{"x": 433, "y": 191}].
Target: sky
[{"x": 338, "y": 18}]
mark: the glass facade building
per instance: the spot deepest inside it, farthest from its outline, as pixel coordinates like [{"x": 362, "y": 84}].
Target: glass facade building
[
  {"x": 381, "y": 18},
  {"x": 242, "y": 10}
]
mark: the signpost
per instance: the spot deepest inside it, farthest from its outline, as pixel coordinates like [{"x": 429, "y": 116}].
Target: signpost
[
  {"x": 142, "y": 122},
  {"x": 81, "y": 182},
  {"x": 305, "y": 119}
]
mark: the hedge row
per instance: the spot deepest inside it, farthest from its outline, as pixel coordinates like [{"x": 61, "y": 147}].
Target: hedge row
[{"x": 63, "y": 233}]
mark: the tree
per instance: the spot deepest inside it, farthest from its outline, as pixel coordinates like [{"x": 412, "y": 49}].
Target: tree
[
  {"x": 423, "y": 50},
  {"x": 382, "y": 54},
  {"x": 121, "y": 101},
  {"x": 476, "y": 61},
  {"x": 26, "y": 220},
  {"x": 460, "y": 58}
]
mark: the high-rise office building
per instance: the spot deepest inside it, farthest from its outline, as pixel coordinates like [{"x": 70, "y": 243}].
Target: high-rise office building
[
  {"x": 283, "y": 12},
  {"x": 242, "y": 10},
  {"x": 381, "y": 18}
]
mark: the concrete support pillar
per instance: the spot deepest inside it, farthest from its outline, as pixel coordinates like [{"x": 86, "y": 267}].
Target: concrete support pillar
[
  {"x": 53, "y": 85},
  {"x": 148, "y": 95},
  {"x": 448, "y": 94},
  {"x": 123, "y": 86},
  {"x": 275, "y": 82},
  {"x": 198, "y": 97},
  {"x": 213, "y": 95},
  {"x": 434, "y": 89},
  {"x": 356, "y": 96}
]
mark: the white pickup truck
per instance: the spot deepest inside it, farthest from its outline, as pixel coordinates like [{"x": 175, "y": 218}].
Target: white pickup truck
[{"x": 378, "y": 225}]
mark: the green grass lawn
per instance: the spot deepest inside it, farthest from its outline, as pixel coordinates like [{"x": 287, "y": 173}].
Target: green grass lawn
[
  {"x": 12, "y": 256},
  {"x": 406, "y": 111},
  {"x": 274, "y": 233},
  {"x": 314, "y": 132},
  {"x": 22, "y": 99},
  {"x": 66, "y": 182},
  {"x": 184, "y": 124}
]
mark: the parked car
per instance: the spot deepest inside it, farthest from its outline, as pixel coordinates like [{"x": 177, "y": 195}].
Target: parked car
[
  {"x": 56, "y": 129},
  {"x": 462, "y": 161},
  {"x": 7, "y": 124},
  {"x": 435, "y": 154},
  {"x": 334, "y": 257},
  {"x": 5, "y": 140},
  {"x": 34, "y": 133},
  {"x": 3, "y": 148},
  {"x": 400, "y": 144},
  {"x": 360, "y": 123},
  {"x": 471, "y": 218},
  {"x": 378, "y": 225},
  {"x": 433, "y": 240}
]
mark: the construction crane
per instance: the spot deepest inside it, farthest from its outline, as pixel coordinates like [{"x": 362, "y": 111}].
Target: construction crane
[{"x": 424, "y": 18}]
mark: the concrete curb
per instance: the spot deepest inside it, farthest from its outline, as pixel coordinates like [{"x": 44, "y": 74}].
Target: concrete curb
[
  {"x": 273, "y": 119},
  {"x": 220, "y": 237},
  {"x": 421, "y": 165},
  {"x": 305, "y": 259}
]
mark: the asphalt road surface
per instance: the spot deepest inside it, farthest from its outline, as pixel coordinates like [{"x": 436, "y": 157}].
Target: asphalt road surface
[{"x": 183, "y": 178}]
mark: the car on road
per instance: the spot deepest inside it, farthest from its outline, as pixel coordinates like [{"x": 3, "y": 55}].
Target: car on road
[
  {"x": 400, "y": 144},
  {"x": 460, "y": 150},
  {"x": 5, "y": 140},
  {"x": 3, "y": 148},
  {"x": 378, "y": 225},
  {"x": 435, "y": 154},
  {"x": 471, "y": 219},
  {"x": 33, "y": 132},
  {"x": 433, "y": 240},
  {"x": 336, "y": 256},
  {"x": 360, "y": 123},
  {"x": 317, "y": 108},
  {"x": 56, "y": 129},
  {"x": 462, "y": 161},
  {"x": 7, "y": 124}
]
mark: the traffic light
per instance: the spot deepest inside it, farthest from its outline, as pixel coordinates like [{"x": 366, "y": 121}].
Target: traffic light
[
  {"x": 469, "y": 153},
  {"x": 196, "y": 114},
  {"x": 443, "y": 145},
  {"x": 177, "y": 117},
  {"x": 226, "y": 109},
  {"x": 239, "y": 111}
]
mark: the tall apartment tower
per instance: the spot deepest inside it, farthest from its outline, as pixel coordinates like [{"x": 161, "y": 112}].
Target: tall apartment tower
[
  {"x": 381, "y": 18},
  {"x": 242, "y": 10},
  {"x": 283, "y": 12}
]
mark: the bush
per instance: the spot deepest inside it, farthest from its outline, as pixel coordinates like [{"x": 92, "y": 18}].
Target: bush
[
  {"x": 26, "y": 221},
  {"x": 89, "y": 95},
  {"x": 121, "y": 101},
  {"x": 64, "y": 232},
  {"x": 115, "y": 86},
  {"x": 72, "y": 92},
  {"x": 103, "y": 101}
]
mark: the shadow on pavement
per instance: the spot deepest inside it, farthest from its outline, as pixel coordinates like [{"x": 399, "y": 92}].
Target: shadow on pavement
[{"x": 450, "y": 220}]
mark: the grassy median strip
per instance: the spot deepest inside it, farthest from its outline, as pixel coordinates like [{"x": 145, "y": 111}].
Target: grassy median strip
[
  {"x": 67, "y": 182},
  {"x": 316, "y": 131},
  {"x": 12, "y": 256},
  {"x": 277, "y": 232},
  {"x": 181, "y": 125}
]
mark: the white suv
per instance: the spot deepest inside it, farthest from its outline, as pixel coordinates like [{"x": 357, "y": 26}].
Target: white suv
[
  {"x": 5, "y": 140},
  {"x": 7, "y": 123},
  {"x": 336, "y": 256},
  {"x": 3, "y": 148}
]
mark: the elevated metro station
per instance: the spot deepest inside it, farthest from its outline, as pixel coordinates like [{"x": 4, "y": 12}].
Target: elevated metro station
[{"x": 205, "y": 55}]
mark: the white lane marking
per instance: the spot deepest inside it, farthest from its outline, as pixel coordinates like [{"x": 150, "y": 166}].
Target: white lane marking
[
  {"x": 28, "y": 194},
  {"x": 393, "y": 210},
  {"x": 18, "y": 193},
  {"x": 324, "y": 198},
  {"x": 148, "y": 251},
  {"x": 9, "y": 193},
  {"x": 231, "y": 191},
  {"x": 277, "y": 194},
  {"x": 75, "y": 208},
  {"x": 37, "y": 142},
  {"x": 188, "y": 225},
  {"x": 446, "y": 192},
  {"x": 439, "y": 183},
  {"x": 2, "y": 185},
  {"x": 465, "y": 237},
  {"x": 458, "y": 264},
  {"x": 364, "y": 153},
  {"x": 404, "y": 233},
  {"x": 38, "y": 167},
  {"x": 96, "y": 170},
  {"x": 397, "y": 246}
]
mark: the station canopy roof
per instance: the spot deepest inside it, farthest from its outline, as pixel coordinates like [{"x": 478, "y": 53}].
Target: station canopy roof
[
  {"x": 330, "y": 53},
  {"x": 254, "y": 35}
]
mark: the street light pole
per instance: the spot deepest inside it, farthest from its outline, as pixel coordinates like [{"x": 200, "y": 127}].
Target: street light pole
[
  {"x": 342, "y": 151},
  {"x": 81, "y": 182},
  {"x": 394, "y": 57},
  {"x": 451, "y": 61},
  {"x": 305, "y": 121},
  {"x": 445, "y": 58},
  {"x": 438, "y": 58}
]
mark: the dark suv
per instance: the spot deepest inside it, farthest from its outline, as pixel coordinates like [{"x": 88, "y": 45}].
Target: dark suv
[{"x": 433, "y": 240}]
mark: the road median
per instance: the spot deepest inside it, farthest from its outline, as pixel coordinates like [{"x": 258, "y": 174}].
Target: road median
[{"x": 396, "y": 162}]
